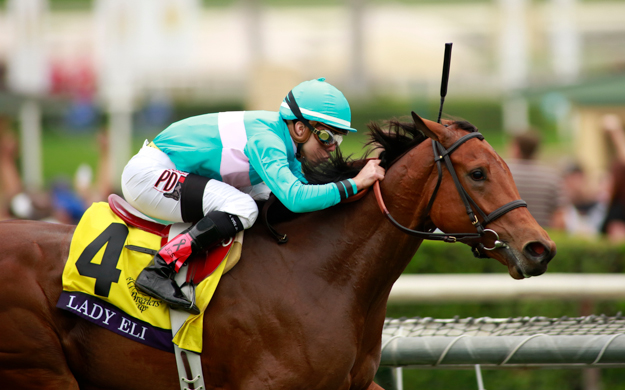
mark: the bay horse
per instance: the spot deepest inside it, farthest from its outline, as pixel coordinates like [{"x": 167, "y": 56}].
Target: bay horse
[{"x": 305, "y": 315}]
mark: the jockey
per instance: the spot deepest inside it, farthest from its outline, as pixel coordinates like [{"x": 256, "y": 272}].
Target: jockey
[{"x": 209, "y": 169}]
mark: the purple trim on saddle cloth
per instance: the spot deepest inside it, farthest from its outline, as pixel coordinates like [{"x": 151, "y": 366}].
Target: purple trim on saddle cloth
[{"x": 114, "y": 319}]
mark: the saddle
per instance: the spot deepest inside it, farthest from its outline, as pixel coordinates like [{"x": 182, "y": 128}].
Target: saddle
[{"x": 198, "y": 267}]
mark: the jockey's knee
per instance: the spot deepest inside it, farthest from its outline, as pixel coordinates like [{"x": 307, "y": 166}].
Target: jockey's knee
[
  {"x": 243, "y": 206},
  {"x": 219, "y": 196},
  {"x": 249, "y": 213}
]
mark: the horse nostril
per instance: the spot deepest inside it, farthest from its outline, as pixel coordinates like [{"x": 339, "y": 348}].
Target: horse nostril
[
  {"x": 536, "y": 248},
  {"x": 538, "y": 251}
]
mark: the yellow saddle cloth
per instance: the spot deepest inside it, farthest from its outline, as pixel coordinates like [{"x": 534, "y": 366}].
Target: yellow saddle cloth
[{"x": 99, "y": 283}]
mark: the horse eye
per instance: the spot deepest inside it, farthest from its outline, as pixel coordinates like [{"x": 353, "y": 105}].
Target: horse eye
[{"x": 478, "y": 175}]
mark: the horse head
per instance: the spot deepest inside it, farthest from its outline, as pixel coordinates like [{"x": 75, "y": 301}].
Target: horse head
[{"x": 512, "y": 236}]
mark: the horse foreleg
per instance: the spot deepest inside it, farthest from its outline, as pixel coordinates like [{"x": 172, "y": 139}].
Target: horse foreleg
[{"x": 374, "y": 386}]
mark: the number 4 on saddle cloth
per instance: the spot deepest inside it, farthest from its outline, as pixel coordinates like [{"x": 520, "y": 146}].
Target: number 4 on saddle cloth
[{"x": 112, "y": 243}]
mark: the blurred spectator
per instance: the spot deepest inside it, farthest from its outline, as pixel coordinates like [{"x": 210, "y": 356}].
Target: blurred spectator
[
  {"x": 15, "y": 201},
  {"x": 81, "y": 114},
  {"x": 95, "y": 189},
  {"x": 587, "y": 205},
  {"x": 9, "y": 178},
  {"x": 156, "y": 114},
  {"x": 62, "y": 203},
  {"x": 75, "y": 79},
  {"x": 67, "y": 206},
  {"x": 71, "y": 200},
  {"x": 8, "y": 147},
  {"x": 614, "y": 223},
  {"x": 539, "y": 185}
]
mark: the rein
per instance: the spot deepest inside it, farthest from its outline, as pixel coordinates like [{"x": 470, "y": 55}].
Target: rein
[{"x": 442, "y": 154}]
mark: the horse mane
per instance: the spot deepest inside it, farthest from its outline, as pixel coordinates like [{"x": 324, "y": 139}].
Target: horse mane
[{"x": 393, "y": 137}]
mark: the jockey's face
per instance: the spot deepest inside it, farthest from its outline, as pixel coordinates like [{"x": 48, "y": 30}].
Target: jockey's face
[{"x": 314, "y": 150}]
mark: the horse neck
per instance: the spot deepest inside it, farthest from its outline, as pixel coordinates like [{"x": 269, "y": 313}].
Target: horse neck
[{"x": 372, "y": 250}]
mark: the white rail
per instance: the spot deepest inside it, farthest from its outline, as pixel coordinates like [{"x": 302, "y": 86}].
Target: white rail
[
  {"x": 504, "y": 351},
  {"x": 498, "y": 287}
]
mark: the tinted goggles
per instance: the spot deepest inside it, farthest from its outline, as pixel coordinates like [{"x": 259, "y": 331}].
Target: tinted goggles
[{"x": 328, "y": 137}]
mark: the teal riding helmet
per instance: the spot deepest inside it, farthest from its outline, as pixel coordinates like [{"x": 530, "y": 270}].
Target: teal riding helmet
[{"x": 319, "y": 101}]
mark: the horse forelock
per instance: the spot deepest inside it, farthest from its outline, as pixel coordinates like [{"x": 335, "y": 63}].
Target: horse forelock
[{"x": 465, "y": 125}]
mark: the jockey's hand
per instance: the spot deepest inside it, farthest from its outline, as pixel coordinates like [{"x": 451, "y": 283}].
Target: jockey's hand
[{"x": 368, "y": 175}]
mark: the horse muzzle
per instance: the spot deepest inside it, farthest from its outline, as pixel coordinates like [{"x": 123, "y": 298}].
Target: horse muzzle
[
  {"x": 538, "y": 255},
  {"x": 532, "y": 260}
]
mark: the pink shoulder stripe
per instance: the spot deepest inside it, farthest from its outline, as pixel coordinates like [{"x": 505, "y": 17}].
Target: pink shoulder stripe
[{"x": 235, "y": 166}]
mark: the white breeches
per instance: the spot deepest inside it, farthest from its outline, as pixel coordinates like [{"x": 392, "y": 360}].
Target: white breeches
[{"x": 151, "y": 183}]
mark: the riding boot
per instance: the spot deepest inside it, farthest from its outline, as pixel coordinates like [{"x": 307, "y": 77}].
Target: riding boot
[{"x": 157, "y": 279}]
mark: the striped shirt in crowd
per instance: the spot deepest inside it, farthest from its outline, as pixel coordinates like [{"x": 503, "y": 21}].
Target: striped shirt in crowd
[{"x": 541, "y": 187}]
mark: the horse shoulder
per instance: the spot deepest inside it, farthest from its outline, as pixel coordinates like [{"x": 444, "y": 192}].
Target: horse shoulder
[
  {"x": 33, "y": 257},
  {"x": 27, "y": 244}
]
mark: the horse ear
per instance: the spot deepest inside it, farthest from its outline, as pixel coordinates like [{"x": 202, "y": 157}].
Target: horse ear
[{"x": 424, "y": 128}]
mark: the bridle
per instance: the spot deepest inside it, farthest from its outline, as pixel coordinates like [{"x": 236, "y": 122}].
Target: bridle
[{"x": 442, "y": 155}]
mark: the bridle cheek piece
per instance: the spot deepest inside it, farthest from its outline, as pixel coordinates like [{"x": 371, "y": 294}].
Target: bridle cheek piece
[{"x": 442, "y": 155}]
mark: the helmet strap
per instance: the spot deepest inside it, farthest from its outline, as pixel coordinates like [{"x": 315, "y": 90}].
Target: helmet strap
[{"x": 299, "y": 139}]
